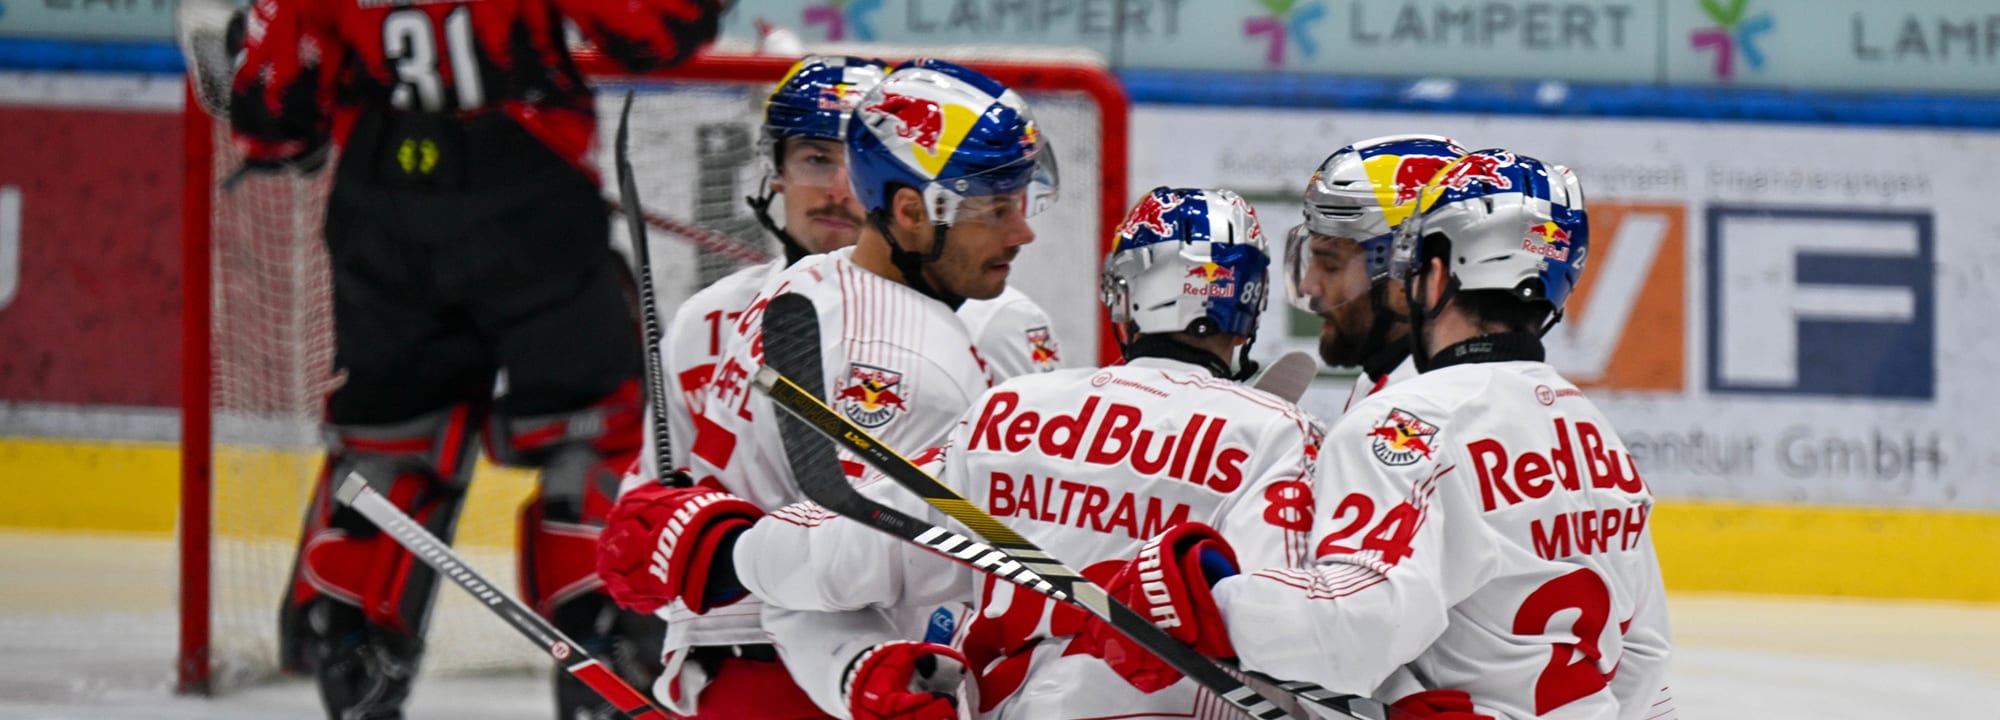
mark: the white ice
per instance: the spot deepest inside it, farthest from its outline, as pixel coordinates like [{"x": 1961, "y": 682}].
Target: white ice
[{"x": 87, "y": 631}]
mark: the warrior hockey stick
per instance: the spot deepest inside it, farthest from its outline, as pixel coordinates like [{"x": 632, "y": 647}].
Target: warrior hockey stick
[
  {"x": 791, "y": 344},
  {"x": 791, "y": 332},
  {"x": 649, "y": 303},
  {"x": 355, "y": 493}
]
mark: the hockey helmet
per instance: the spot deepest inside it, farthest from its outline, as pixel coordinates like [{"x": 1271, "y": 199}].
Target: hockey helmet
[
  {"x": 1187, "y": 260},
  {"x": 1509, "y": 222},
  {"x": 950, "y": 133},
  {"x": 1361, "y": 193},
  {"x": 813, "y": 101}
]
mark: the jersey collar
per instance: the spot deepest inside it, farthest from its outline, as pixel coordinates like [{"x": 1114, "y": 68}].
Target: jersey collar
[{"x": 1499, "y": 347}]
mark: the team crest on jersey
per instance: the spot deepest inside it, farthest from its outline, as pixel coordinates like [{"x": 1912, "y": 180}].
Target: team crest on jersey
[
  {"x": 1402, "y": 438},
  {"x": 870, "y": 396},
  {"x": 1042, "y": 348}
]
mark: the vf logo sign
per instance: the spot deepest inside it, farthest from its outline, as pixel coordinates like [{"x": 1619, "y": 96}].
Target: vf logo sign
[
  {"x": 1625, "y": 327},
  {"x": 1821, "y": 302}
]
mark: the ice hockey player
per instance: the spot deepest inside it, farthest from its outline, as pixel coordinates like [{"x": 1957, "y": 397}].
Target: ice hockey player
[
  {"x": 948, "y": 165},
  {"x": 805, "y": 163},
  {"x": 1337, "y": 261},
  {"x": 1481, "y": 526},
  {"x": 1088, "y": 464},
  {"x": 1107, "y": 458},
  {"x": 467, "y": 236}
]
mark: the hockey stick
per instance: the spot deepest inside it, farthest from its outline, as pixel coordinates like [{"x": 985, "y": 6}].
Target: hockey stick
[
  {"x": 1287, "y": 377},
  {"x": 355, "y": 493},
  {"x": 791, "y": 345},
  {"x": 649, "y": 303},
  {"x": 794, "y": 354},
  {"x": 704, "y": 239}
]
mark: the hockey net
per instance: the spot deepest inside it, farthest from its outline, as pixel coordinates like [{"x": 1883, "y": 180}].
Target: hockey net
[{"x": 258, "y": 341}]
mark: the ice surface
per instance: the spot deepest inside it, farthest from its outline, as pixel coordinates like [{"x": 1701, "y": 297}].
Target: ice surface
[{"x": 87, "y": 632}]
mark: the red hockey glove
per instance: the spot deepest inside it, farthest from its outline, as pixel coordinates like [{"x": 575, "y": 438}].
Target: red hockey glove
[
  {"x": 905, "y": 681},
  {"x": 1439, "y": 705},
  {"x": 1169, "y": 584},
  {"x": 663, "y": 543}
]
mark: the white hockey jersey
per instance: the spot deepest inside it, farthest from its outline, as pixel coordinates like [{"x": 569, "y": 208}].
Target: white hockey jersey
[
  {"x": 1482, "y": 527},
  {"x": 691, "y": 347},
  {"x": 1011, "y": 332},
  {"x": 1088, "y": 464},
  {"x": 894, "y": 361},
  {"x": 1366, "y": 385}
]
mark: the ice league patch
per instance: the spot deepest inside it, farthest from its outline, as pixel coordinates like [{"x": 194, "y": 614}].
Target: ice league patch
[
  {"x": 1401, "y": 438},
  {"x": 870, "y": 395}
]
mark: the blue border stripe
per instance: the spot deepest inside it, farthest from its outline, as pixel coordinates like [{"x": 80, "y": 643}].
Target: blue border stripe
[
  {"x": 1298, "y": 90},
  {"x": 109, "y": 56},
  {"x": 1520, "y": 97}
]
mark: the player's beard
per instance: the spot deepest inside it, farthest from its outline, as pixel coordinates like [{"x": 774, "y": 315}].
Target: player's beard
[{"x": 1344, "y": 332}]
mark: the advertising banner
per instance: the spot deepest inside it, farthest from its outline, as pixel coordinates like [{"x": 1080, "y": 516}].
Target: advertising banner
[
  {"x": 89, "y": 19},
  {"x": 89, "y": 255},
  {"x": 1771, "y": 313},
  {"x": 1826, "y": 44}
]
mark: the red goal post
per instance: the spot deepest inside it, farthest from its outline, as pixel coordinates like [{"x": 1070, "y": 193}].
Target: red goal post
[{"x": 231, "y": 398}]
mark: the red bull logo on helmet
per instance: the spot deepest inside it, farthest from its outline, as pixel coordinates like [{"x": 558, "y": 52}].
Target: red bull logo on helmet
[
  {"x": 1412, "y": 173},
  {"x": 1149, "y": 214},
  {"x": 1209, "y": 280},
  {"x": 839, "y": 96},
  {"x": 1402, "y": 438},
  {"x": 1478, "y": 167},
  {"x": 870, "y": 397},
  {"x": 918, "y": 119},
  {"x": 1547, "y": 240}
]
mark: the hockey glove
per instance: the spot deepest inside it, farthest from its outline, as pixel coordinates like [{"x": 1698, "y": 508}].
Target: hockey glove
[
  {"x": 1169, "y": 584},
  {"x": 1439, "y": 705},
  {"x": 663, "y": 543},
  {"x": 905, "y": 680}
]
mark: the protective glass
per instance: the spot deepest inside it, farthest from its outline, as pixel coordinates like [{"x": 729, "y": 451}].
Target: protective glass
[{"x": 1308, "y": 280}]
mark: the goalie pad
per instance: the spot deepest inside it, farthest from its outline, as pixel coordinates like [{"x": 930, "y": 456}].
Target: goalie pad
[
  {"x": 210, "y": 33},
  {"x": 582, "y": 457},
  {"x": 421, "y": 466}
]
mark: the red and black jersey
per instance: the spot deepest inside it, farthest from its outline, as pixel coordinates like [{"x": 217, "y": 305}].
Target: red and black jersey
[{"x": 312, "y": 66}]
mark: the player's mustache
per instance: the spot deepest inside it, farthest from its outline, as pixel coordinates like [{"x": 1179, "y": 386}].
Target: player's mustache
[{"x": 834, "y": 211}]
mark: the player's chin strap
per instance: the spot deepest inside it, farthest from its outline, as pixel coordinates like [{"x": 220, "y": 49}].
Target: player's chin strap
[
  {"x": 1419, "y": 315},
  {"x": 760, "y": 206},
  {"x": 911, "y": 264}
]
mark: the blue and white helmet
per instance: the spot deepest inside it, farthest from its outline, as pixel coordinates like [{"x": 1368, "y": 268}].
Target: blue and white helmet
[
  {"x": 1514, "y": 224},
  {"x": 814, "y": 99},
  {"x": 950, "y": 133},
  {"x": 1187, "y": 260},
  {"x": 1361, "y": 193}
]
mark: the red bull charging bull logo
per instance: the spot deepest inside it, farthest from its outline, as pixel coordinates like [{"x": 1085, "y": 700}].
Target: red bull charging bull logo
[
  {"x": 918, "y": 119},
  {"x": 1402, "y": 438},
  {"x": 1042, "y": 348},
  {"x": 1209, "y": 280},
  {"x": 1478, "y": 167},
  {"x": 839, "y": 96},
  {"x": 1547, "y": 240},
  {"x": 1413, "y": 172},
  {"x": 1149, "y": 214},
  {"x": 869, "y": 397}
]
